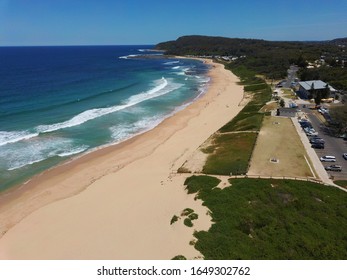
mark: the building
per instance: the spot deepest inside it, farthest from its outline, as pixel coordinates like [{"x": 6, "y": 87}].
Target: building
[{"x": 309, "y": 89}]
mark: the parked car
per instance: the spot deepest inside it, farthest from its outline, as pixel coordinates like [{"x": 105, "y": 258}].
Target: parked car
[
  {"x": 334, "y": 167},
  {"x": 311, "y": 132},
  {"x": 328, "y": 158},
  {"x": 318, "y": 145},
  {"x": 317, "y": 140},
  {"x": 344, "y": 155},
  {"x": 306, "y": 124}
]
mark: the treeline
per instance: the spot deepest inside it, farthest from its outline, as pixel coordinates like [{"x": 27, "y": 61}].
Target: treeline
[
  {"x": 335, "y": 76},
  {"x": 269, "y": 58}
]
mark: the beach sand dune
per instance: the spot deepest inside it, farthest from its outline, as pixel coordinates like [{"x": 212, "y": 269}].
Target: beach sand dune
[{"x": 117, "y": 203}]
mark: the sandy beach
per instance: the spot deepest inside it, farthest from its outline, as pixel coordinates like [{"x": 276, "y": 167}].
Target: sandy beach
[{"x": 117, "y": 202}]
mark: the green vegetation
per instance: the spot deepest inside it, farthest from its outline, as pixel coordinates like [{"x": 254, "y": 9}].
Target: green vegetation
[
  {"x": 231, "y": 153},
  {"x": 190, "y": 216},
  {"x": 193, "y": 216},
  {"x": 342, "y": 183},
  {"x": 179, "y": 257},
  {"x": 188, "y": 222},
  {"x": 272, "y": 219},
  {"x": 250, "y": 117},
  {"x": 187, "y": 212},
  {"x": 231, "y": 148},
  {"x": 339, "y": 115},
  {"x": 269, "y": 58},
  {"x": 197, "y": 184},
  {"x": 335, "y": 76},
  {"x": 282, "y": 103},
  {"x": 174, "y": 219}
]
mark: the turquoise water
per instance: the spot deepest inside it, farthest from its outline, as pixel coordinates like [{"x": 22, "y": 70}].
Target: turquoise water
[{"x": 58, "y": 102}]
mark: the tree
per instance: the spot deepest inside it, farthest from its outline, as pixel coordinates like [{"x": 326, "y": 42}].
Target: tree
[
  {"x": 282, "y": 103},
  {"x": 339, "y": 116}
]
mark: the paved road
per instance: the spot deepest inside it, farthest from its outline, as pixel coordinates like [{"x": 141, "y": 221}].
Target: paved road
[
  {"x": 291, "y": 76},
  {"x": 333, "y": 146}
]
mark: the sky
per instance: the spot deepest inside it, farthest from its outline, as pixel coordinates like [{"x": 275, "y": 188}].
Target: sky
[{"x": 135, "y": 22}]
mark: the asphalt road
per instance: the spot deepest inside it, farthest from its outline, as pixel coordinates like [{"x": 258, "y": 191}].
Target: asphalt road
[
  {"x": 291, "y": 76},
  {"x": 333, "y": 147}
]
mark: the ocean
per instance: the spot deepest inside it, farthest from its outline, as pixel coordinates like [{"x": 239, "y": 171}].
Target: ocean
[{"x": 59, "y": 102}]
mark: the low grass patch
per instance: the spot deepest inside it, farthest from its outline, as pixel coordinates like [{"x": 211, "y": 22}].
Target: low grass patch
[
  {"x": 244, "y": 121},
  {"x": 230, "y": 153},
  {"x": 256, "y": 87},
  {"x": 272, "y": 219},
  {"x": 341, "y": 183}
]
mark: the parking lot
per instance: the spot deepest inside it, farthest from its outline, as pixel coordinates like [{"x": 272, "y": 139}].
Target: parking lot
[{"x": 333, "y": 147}]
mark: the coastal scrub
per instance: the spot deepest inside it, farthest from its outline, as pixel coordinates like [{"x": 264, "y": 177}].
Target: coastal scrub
[{"x": 273, "y": 219}]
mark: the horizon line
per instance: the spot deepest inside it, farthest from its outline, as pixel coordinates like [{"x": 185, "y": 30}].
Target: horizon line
[{"x": 75, "y": 45}]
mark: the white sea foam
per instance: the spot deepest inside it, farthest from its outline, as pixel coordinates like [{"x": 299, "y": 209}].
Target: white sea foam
[
  {"x": 40, "y": 149},
  {"x": 171, "y": 62},
  {"x": 129, "y": 56},
  {"x": 183, "y": 72},
  {"x": 8, "y": 137},
  {"x": 73, "y": 151},
  {"x": 161, "y": 87},
  {"x": 176, "y": 67},
  {"x": 123, "y": 132}
]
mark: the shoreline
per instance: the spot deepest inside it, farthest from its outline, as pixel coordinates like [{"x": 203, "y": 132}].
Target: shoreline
[{"x": 71, "y": 189}]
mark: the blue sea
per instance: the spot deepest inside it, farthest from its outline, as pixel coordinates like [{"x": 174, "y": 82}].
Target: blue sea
[{"x": 59, "y": 102}]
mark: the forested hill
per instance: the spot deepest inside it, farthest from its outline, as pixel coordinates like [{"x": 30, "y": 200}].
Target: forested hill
[
  {"x": 271, "y": 58},
  {"x": 209, "y": 45}
]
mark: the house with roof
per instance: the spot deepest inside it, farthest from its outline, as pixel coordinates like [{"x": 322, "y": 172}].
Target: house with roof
[{"x": 310, "y": 89}]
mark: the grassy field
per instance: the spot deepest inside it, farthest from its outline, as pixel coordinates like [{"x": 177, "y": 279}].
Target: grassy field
[
  {"x": 279, "y": 140},
  {"x": 249, "y": 118},
  {"x": 231, "y": 148},
  {"x": 271, "y": 219},
  {"x": 229, "y": 153}
]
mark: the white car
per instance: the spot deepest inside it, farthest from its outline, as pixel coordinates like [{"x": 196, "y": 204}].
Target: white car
[
  {"x": 328, "y": 158},
  {"x": 344, "y": 155}
]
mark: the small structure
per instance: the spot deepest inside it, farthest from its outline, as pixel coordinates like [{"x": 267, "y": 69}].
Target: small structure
[{"x": 309, "y": 89}]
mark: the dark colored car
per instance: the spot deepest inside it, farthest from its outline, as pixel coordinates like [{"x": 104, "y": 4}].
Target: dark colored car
[
  {"x": 317, "y": 141},
  {"x": 318, "y": 145}
]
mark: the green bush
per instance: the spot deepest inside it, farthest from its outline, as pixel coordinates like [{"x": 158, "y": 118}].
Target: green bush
[
  {"x": 179, "y": 257},
  {"x": 188, "y": 222},
  {"x": 187, "y": 212},
  {"x": 274, "y": 219},
  {"x": 174, "y": 219}
]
